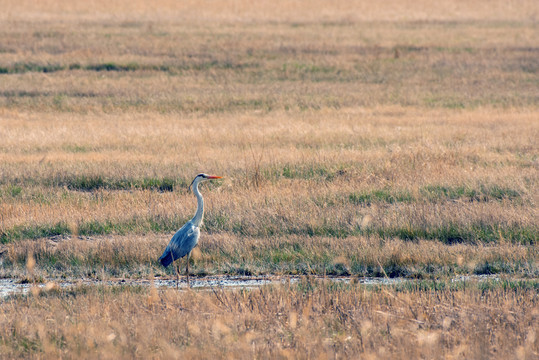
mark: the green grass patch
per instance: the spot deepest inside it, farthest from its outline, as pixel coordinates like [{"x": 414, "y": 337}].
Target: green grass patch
[
  {"x": 110, "y": 66},
  {"x": 76, "y": 148},
  {"x": 296, "y": 71},
  {"x": 475, "y": 233},
  {"x": 435, "y": 193},
  {"x": 91, "y": 183},
  {"x": 455, "y": 234},
  {"x": 305, "y": 171},
  {"x": 383, "y": 195},
  {"x": 468, "y": 284},
  {"x": 22, "y": 67},
  {"x": 33, "y": 232},
  {"x": 11, "y": 191},
  {"x": 509, "y": 285},
  {"x": 131, "y": 226},
  {"x": 484, "y": 193},
  {"x": 486, "y": 268}
]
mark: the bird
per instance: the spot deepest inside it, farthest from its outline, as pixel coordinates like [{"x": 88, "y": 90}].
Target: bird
[{"x": 185, "y": 239}]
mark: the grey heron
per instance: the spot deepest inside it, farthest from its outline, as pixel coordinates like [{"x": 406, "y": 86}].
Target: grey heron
[{"x": 185, "y": 239}]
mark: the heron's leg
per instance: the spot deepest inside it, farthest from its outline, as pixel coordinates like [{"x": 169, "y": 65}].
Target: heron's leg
[
  {"x": 187, "y": 269},
  {"x": 177, "y": 270},
  {"x": 177, "y": 267}
]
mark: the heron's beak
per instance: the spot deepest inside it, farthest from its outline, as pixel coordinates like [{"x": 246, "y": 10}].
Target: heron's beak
[{"x": 215, "y": 177}]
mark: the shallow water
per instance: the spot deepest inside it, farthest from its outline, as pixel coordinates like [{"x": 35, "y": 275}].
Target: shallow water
[{"x": 14, "y": 286}]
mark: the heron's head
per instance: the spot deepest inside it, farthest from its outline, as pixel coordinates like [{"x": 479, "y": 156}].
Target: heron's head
[{"x": 203, "y": 177}]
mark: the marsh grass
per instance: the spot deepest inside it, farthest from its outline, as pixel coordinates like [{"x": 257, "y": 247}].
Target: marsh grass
[
  {"x": 303, "y": 320},
  {"x": 390, "y": 139},
  {"x": 339, "y": 175},
  {"x": 91, "y": 183},
  {"x": 333, "y": 59},
  {"x": 136, "y": 256}
]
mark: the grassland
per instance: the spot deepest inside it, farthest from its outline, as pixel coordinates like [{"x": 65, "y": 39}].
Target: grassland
[
  {"x": 354, "y": 139},
  {"x": 312, "y": 319},
  {"x": 299, "y": 193}
]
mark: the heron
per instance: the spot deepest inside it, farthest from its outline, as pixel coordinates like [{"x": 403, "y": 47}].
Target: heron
[{"x": 185, "y": 239}]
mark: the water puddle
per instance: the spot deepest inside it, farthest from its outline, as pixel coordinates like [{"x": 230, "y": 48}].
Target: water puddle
[{"x": 14, "y": 286}]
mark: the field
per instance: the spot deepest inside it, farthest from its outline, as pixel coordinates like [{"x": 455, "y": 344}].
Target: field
[{"x": 395, "y": 140}]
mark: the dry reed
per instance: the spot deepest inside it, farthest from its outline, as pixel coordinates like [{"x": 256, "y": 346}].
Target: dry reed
[
  {"x": 393, "y": 139},
  {"x": 312, "y": 319}
]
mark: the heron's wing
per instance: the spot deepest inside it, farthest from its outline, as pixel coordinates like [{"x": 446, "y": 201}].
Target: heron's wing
[
  {"x": 184, "y": 240},
  {"x": 181, "y": 243}
]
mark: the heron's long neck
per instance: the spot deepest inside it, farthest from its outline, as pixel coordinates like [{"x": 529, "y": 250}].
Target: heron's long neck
[{"x": 197, "y": 219}]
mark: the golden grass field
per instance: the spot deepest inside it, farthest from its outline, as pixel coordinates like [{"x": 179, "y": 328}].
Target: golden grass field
[
  {"x": 308, "y": 320},
  {"x": 355, "y": 139}
]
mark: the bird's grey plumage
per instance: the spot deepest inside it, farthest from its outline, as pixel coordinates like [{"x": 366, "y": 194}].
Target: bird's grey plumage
[
  {"x": 181, "y": 243},
  {"x": 185, "y": 239}
]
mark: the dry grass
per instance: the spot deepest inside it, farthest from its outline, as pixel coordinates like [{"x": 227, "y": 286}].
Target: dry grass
[
  {"x": 236, "y": 56},
  {"x": 136, "y": 257},
  {"x": 339, "y": 124},
  {"x": 238, "y": 11},
  {"x": 445, "y": 176},
  {"x": 393, "y": 139},
  {"x": 312, "y": 319}
]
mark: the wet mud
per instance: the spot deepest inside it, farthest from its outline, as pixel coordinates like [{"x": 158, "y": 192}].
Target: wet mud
[{"x": 15, "y": 286}]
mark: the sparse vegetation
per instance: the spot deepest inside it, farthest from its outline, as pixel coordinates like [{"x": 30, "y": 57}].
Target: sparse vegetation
[
  {"x": 353, "y": 141},
  {"x": 309, "y": 319}
]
